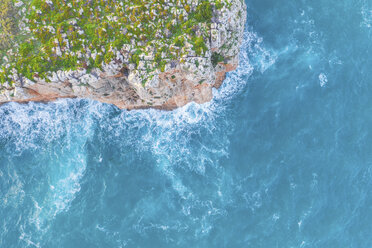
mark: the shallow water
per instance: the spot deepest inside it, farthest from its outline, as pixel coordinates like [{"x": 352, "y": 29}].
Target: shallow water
[{"x": 280, "y": 158}]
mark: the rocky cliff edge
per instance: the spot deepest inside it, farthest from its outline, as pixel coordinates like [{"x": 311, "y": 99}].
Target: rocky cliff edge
[{"x": 122, "y": 85}]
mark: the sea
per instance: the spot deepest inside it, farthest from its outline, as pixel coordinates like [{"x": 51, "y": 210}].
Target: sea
[{"x": 281, "y": 157}]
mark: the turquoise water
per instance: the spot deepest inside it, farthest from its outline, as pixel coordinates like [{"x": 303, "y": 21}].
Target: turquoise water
[{"x": 281, "y": 157}]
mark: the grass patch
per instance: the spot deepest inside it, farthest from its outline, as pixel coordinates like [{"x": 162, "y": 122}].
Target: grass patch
[{"x": 65, "y": 35}]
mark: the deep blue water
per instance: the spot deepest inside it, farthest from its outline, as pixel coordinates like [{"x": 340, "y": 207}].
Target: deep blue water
[{"x": 282, "y": 157}]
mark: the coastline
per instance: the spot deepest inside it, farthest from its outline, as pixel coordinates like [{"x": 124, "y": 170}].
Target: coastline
[{"x": 121, "y": 85}]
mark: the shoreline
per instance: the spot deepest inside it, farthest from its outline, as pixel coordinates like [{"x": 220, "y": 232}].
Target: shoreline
[{"x": 121, "y": 84}]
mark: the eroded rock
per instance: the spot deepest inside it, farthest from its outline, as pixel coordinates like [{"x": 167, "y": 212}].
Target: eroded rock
[{"x": 122, "y": 85}]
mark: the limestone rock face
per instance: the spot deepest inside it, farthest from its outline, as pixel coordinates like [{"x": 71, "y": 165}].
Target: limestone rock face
[{"x": 122, "y": 85}]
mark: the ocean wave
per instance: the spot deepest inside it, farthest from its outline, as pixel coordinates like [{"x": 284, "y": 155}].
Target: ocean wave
[{"x": 57, "y": 136}]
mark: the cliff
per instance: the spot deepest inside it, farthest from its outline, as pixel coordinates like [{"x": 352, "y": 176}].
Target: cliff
[{"x": 139, "y": 84}]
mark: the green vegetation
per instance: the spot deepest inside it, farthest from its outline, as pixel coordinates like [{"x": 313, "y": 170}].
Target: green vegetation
[
  {"x": 7, "y": 26},
  {"x": 217, "y": 58},
  {"x": 70, "y": 34}
]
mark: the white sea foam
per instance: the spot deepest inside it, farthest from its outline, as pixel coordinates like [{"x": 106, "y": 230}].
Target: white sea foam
[
  {"x": 168, "y": 134},
  {"x": 63, "y": 127},
  {"x": 323, "y": 80},
  {"x": 366, "y": 17},
  {"x": 169, "y": 137},
  {"x": 27, "y": 239},
  {"x": 56, "y": 132}
]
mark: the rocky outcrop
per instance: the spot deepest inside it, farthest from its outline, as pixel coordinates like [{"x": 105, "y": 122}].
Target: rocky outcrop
[{"x": 120, "y": 84}]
